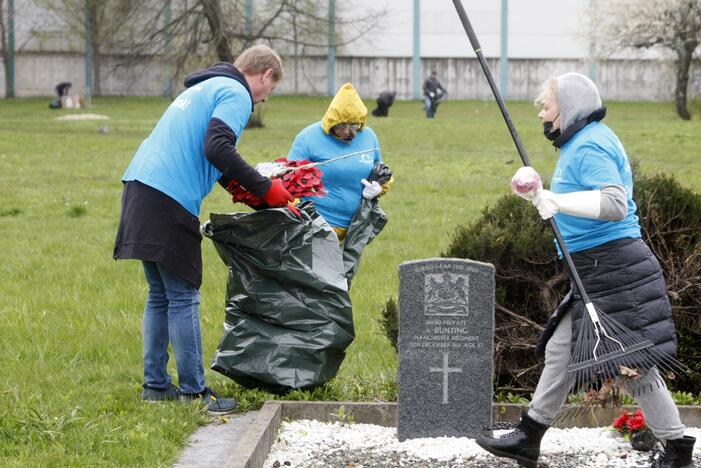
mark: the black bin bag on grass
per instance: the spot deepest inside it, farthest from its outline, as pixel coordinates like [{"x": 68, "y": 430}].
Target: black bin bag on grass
[{"x": 289, "y": 317}]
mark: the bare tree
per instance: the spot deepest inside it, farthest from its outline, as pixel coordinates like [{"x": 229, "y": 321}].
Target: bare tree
[
  {"x": 212, "y": 11},
  {"x": 187, "y": 32},
  {"x": 104, "y": 25},
  {"x": 672, "y": 25},
  {"x": 217, "y": 28}
]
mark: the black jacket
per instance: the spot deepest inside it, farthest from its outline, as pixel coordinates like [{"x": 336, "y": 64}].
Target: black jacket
[
  {"x": 623, "y": 280},
  {"x": 432, "y": 85}
]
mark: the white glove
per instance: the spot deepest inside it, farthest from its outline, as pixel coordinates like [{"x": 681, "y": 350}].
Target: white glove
[
  {"x": 526, "y": 183},
  {"x": 583, "y": 204},
  {"x": 269, "y": 169},
  {"x": 432, "y": 94},
  {"x": 371, "y": 189}
]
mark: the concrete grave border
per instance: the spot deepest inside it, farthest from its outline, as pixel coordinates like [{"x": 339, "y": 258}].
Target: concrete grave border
[{"x": 254, "y": 446}]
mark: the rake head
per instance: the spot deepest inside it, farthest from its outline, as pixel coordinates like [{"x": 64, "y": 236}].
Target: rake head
[{"x": 605, "y": 350}]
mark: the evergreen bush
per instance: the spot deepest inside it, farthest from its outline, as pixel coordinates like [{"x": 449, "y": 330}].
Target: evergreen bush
[
  {"x": 670, "y": 217},
  {"x": 531, "y": 281},
  {"x": 389, "y": 321}
]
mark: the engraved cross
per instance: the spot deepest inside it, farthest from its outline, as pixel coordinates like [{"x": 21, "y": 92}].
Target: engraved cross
[{"x": 446, "y": 371}]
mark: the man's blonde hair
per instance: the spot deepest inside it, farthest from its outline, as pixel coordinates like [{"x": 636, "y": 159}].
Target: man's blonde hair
[{"x": 259, "y": 58}]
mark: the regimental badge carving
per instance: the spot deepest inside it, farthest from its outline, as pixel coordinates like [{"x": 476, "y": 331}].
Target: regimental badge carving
[{"x": 446, "y": 294}]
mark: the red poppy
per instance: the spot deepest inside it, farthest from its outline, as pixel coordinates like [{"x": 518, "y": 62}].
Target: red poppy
[
  {"x": 636, "y": 422},
  {"x": 304, "y": 182},
  {"x": 627, "y": 423},
  {"x": 620, "y": 422}
]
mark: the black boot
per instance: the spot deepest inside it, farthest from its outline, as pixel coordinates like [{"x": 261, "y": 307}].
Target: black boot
[
  {"x": 522, "y": 444},
  {"x": 677, "y": 454}
]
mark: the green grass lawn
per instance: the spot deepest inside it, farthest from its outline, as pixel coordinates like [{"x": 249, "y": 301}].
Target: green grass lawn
[{"x": 70, "y": 316}]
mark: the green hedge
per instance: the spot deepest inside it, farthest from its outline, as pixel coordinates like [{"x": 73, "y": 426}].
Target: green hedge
[{"x": 530, "y": 281}]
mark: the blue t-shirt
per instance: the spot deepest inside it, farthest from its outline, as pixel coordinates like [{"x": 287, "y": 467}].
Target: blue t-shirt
[
  {"x": 591, "y": 160},
  {"x": 172, "y": 158},
  {"x": 341, "y": 179}
]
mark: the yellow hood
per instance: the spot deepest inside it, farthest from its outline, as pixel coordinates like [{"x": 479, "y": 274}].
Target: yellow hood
[{"x": 346, "y": 107}]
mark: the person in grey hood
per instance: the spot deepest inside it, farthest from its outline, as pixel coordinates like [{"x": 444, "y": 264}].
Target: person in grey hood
[
  {"x": 591, "y": 198},
  {"x": 192, "y": 147}
]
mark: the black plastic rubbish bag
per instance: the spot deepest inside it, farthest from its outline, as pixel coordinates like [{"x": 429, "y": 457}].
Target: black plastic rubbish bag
[{"x": 289, "y": 315}]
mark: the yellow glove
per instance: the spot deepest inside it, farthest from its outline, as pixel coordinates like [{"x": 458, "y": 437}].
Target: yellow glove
[{"x": 386, "y": 186}]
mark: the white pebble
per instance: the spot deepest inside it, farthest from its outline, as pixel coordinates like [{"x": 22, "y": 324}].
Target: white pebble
[{"x": 305, "y": 442}]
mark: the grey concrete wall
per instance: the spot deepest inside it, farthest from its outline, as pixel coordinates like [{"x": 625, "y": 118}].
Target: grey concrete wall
[{"x": 36, "y": 74}]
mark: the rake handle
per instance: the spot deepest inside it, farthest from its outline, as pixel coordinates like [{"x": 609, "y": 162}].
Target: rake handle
[
  {"x": 514, "y": 136},
  {"x": 323, "y": 163}
]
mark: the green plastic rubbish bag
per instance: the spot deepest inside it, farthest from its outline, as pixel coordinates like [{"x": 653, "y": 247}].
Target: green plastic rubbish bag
[{"x": 289, "y": 317}]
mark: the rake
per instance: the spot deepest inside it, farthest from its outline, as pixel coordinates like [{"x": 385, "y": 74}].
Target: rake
[{"x": 605, "y": 348}]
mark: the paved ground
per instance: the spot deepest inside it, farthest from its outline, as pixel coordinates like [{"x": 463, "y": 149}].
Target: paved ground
[{"x": 213, "y": 444}]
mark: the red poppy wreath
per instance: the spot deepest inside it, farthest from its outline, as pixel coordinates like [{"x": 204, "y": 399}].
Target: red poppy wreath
[{"x": 297, "y": 179}]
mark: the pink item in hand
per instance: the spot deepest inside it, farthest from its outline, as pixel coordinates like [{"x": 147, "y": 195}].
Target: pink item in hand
[{"x": 526, "y": 182}]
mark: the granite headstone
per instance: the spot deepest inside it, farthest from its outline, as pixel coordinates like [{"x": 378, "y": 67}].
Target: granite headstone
[{"x": 446, "y": 334}]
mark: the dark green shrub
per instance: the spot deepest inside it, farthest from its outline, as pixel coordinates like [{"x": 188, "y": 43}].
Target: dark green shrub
[
  {"x": 389, "y": 322},
  {"x": 670, "y": 216},
  {"x": 530, "y": 281}
]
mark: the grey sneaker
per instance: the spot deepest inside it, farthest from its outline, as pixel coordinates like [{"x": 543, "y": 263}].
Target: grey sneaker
[
  {"x": 212, "y": 401},
  {"x": 151, "y": 394}
]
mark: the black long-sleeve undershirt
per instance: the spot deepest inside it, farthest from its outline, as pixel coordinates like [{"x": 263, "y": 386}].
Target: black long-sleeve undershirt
[{"x": 220, "y": 151}]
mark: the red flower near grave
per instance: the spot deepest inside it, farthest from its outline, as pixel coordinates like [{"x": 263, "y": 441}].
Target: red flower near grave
[
  {"x": 299, "y": 181},
  {"x": 628, "y": 424},
  {"x": 637, "y": 422},
  {"x": 620, "y": 422}
]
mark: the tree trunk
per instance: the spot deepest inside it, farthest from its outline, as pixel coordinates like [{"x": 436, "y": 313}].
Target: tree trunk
[
  {"x": 685, "y": 50},
  {"x": 213, "y": 13},
  {"x": 295, "y": 40},
  {"x": 94, "y": 38},
  {"x": 97, "y": 65},
  {"x": 5, "y": 53}
]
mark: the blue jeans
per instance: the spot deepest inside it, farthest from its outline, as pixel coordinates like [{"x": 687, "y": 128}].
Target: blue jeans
[
  {"x": 430, "y": 107},
  {"x": 171, "y": 314}
]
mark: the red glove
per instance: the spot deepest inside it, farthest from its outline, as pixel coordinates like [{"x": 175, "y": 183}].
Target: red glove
[{"x": 277, "y": 195}]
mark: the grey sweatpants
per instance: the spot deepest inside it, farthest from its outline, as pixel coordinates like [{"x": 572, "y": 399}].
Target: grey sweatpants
[{"x": 661, "y": 414}]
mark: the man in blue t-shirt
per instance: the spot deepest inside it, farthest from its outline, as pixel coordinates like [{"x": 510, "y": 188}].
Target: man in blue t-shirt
[
  {"x": 192, "y": 147},
  {"x": 341, "y": 132}
]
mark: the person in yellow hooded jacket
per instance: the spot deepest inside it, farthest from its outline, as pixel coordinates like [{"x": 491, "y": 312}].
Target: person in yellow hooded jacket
[{"x": 340, "y": 132}]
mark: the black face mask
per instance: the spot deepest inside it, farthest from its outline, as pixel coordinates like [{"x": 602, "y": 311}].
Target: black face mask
[{"x": 548, "y": 131}]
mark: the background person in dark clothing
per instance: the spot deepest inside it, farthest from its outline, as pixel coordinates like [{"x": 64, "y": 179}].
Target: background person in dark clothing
[
  {"x": 192, "y": 147},
  {"x": 62, "y": 90},
  {"x": 434, "y": 93},
  {"x": 384, "y": 102}
]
